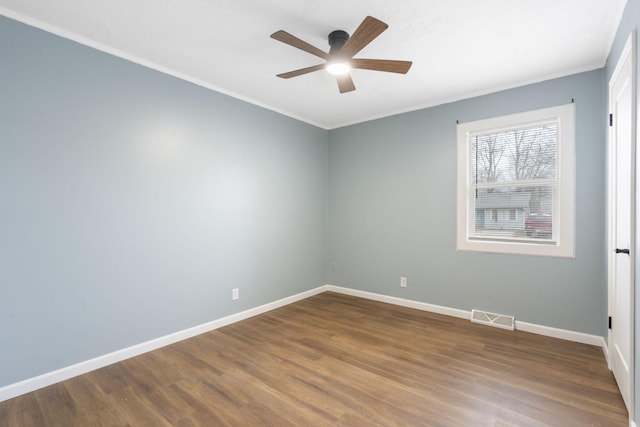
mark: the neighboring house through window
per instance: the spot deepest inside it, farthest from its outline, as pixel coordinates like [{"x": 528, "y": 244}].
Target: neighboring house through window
[{"x": 516, "y": 183}]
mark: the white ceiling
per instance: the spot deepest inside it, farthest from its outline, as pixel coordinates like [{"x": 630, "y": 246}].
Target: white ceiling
[{"x": 459, "y": 48}]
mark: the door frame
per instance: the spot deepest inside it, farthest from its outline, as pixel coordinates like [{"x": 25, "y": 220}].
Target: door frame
[{"x": 629, "y": 52}]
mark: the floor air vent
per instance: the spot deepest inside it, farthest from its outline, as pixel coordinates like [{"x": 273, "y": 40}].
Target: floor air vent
[{"x": 492, "y": 319}]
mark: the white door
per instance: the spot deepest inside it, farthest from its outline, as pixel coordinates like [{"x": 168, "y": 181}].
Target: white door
[{"x": 621, "y": 220}]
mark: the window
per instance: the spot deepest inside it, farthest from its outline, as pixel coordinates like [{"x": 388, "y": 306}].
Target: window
[{"x": 516, "y": 183}]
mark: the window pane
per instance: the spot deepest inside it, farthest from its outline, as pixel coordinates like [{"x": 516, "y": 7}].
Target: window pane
[
  {"x": 514, "y": 213},
  {"x": 515, "y": 155}
]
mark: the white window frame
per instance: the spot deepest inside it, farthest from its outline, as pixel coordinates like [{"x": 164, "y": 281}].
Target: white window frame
[{"x": 563, "y": 244}]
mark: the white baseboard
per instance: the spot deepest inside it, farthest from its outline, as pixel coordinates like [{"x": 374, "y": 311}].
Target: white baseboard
[
  {"x": 464, "y": 314},
  {"x": 401, "y": 302},
  {"x": 605, "y": 351},
  {"x": 13, "y": 390},
  {"x": 560, "y": 333},
  {"x": 32, "y": 384}
]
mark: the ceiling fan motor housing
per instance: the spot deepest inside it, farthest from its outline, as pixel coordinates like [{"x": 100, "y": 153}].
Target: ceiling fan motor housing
[{"x": 337, "y": 39}]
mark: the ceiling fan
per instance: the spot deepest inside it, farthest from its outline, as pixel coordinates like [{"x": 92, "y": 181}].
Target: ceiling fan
[{"x": 339, "y": 59}]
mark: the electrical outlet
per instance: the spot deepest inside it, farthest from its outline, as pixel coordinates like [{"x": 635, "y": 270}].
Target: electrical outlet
[
  {"x": 235, "y": 294},
  {"x": 403, "y": 282}
]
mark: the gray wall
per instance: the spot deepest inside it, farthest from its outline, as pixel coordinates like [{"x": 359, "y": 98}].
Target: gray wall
[
  {"x": 630, "y": 22},
  {"x": 392, "y": 211},
  {"x": 131, "y": 203}
]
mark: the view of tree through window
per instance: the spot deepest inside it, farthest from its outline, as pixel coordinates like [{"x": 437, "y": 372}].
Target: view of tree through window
[
  {"x": 516, "y": 183},
  {"x": 515, "y": 174}
]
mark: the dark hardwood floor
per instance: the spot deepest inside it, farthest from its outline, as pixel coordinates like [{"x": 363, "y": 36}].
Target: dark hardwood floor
[{"x": 336, "y": 360}]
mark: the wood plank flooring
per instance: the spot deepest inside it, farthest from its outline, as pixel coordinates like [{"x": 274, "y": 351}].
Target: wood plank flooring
[{"x": 337, "y": 360}]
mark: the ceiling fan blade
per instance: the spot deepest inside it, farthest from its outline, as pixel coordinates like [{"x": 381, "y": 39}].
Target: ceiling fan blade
[
  {"x": 291, "y": 40},
  {"x": 345, "y": 83},
  {"x": 301, "y": 71},
  {"x": 368, "y": 30},
  {"x": 382, "y": 65}
]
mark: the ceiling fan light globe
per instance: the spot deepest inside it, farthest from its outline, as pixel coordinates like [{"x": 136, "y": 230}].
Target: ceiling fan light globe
[{"x": 338, "y": 68}]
